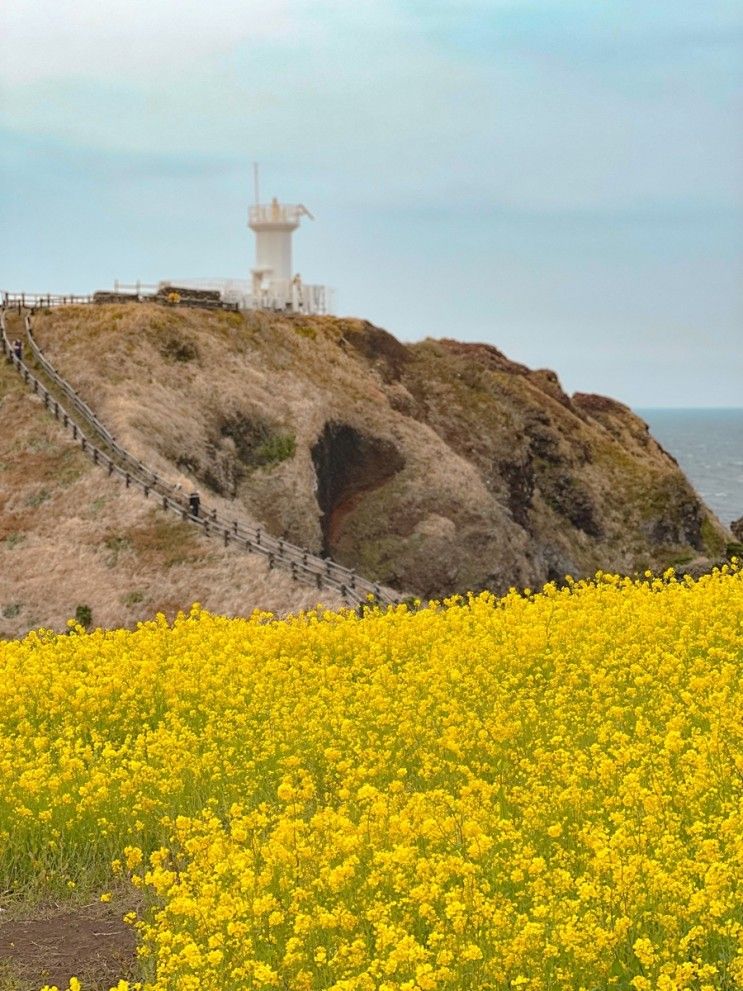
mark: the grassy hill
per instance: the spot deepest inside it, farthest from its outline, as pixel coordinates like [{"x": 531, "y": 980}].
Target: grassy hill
[
  {"x": 71, "y": 537},
  {"x": 434, "y": 467}
]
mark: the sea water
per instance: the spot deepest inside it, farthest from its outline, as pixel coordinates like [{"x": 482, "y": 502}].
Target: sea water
[{"x": 708, "y": 445}]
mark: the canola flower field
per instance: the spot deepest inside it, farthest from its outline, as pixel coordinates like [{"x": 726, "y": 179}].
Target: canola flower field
[{"x": 537, "y": 792}]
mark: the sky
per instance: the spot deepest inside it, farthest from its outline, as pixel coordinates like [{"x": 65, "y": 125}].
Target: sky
[{"x": 560, "y": 178}]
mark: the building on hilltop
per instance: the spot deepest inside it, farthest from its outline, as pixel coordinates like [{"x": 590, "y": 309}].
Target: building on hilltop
[{"x": 274, "y": 285}]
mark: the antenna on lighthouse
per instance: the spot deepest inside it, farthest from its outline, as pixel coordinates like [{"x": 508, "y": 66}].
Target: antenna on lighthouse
[{"x": 256, "y": 191}]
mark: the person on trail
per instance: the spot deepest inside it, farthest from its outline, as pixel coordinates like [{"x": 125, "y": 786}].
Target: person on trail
[
  {"x": 194, "y": 503},
  {"x": 18, "y": 349}
]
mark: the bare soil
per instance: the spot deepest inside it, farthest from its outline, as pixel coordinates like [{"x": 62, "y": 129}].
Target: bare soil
[{"x": 90, "y": 942}]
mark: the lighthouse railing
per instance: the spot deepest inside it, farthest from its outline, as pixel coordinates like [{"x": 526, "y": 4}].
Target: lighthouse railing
[{"x": 275, "y": 213}]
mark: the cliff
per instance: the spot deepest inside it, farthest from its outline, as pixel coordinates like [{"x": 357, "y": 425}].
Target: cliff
[{"x": 434, "y": 467}]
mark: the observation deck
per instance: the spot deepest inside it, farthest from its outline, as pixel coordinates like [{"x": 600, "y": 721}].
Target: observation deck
[{"x": 267, "y": 216}]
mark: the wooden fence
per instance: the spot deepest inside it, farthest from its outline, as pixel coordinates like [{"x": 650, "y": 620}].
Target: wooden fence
[
  {"x": 97, "y": 443},
  {"x": 25, "y": 300}
]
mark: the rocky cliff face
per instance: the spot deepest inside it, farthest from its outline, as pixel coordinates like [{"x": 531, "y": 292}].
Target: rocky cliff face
[{"x": 435, "y": 467}]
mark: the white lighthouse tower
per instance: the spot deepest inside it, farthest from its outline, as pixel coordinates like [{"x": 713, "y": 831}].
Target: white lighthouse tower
[
  {"x": 275, "y": 284},
  {"x": 273, "y": 225}
]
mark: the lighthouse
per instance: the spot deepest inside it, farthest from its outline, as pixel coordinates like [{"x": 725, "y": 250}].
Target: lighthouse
[
  {"x": 273, "y": 285},
  {"x": 273, "y": 276}
]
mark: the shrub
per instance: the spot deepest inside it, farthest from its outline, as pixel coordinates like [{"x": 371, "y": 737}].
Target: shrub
[
  {"x": 83, "y": 616},
  {"x": 276, "y": 448}
]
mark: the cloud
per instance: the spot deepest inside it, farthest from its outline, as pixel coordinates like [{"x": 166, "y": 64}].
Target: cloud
[
  {"x": 558, "y": 171},
  {"x": 93, "y": 39}
]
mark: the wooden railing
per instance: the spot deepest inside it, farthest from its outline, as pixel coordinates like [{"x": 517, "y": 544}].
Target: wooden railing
[
  {"x": 26, "y": 300},
  {"x": 97, "y": 442}
]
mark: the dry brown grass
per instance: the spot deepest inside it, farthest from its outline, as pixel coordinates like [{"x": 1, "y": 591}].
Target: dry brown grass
[
  {"x": 70, "y": 536},
  {"x": 291, "y": 369}
]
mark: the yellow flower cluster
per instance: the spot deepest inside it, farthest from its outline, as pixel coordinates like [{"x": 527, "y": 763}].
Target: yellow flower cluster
[{"x": 539, "y": 792}]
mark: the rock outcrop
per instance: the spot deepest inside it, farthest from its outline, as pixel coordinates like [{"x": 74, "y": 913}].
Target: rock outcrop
[{"x": 435, "y": 467}]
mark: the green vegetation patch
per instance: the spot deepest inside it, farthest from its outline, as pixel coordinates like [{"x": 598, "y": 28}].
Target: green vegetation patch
[
  {"x": 178, "y": 349},
  {"x": 276, "y": 448},
  {"x": 133, "y": 598},
  {"x": 116, "y": 544},
  {"x": 258, "y": 443},
  {"x": 38, "y": 498},
  {"x": 714, "y": 541},
  {"x": 14, "y": 539},
  {"x": 83, "y": 615}
]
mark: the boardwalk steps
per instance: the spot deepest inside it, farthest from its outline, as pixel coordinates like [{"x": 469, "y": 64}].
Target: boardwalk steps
[{"x": 97, "y": 443}]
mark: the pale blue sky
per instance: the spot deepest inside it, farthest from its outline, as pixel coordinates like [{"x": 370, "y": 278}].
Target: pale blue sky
[{"x": 562, "y": 178}]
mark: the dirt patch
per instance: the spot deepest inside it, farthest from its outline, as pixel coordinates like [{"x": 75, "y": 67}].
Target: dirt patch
[{"x": 90, "y": 942}]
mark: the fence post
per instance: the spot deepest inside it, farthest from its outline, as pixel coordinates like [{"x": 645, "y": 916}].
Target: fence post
[{"x": 127, "y": 480}]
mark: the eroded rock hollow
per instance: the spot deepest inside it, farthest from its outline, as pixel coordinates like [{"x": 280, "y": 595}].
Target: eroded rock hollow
[{"x": 349, "y": 466}]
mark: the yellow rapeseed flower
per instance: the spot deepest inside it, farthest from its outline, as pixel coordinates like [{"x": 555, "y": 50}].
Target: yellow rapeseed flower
[{"x": 536, "y": 792}]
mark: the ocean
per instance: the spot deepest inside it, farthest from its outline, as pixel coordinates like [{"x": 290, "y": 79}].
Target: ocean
[{"x": 708, "y": 445}]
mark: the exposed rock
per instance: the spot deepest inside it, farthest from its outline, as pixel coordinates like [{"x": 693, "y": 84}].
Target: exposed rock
[
  {"x": 436, "y": 467},
  {"x": 349, "y": 465},
  {"x": 736, "y": 528}
]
